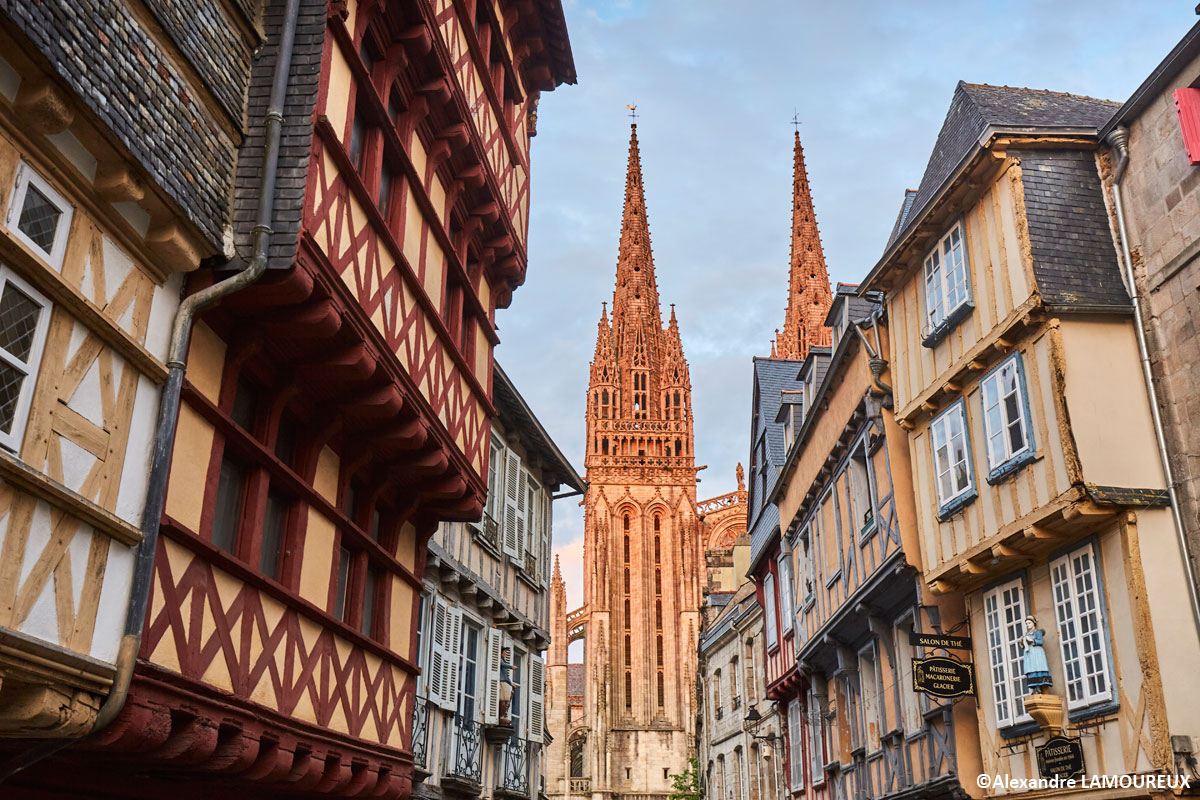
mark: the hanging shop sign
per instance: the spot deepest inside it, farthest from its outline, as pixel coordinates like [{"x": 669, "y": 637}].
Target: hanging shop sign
[
  {"x": 1061, "y": 757},
  {"x": 944, "y": 677},
  {"x": 939, "y": 640}
]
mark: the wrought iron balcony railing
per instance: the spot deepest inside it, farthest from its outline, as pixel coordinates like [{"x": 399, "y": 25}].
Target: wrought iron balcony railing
[
  {"x": 487, "y": 530},
  {"x": 514, "y": 766},
  {"x": 420, "y": 734},
  {"x": 464, "y": 757}
]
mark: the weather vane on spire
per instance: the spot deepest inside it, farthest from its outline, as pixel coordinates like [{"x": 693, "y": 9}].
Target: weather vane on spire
[
  {"x": 632, "y": 111},
  {"x": 796, "y": 120}
]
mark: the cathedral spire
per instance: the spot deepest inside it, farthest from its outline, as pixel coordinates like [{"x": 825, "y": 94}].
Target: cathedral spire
[
  {"x": 636, "y": 293},
  {"x": 809, "y": 295}
]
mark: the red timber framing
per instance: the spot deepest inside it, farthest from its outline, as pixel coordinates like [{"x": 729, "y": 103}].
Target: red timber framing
[
  {"x": 783, "y": 679},
  {"x": 261, "y": 674}
]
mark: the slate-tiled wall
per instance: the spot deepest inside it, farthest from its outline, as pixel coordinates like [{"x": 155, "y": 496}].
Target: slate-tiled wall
[
  {"x": 1074, "y": 258},
  {"x": 100, "y": 50}
]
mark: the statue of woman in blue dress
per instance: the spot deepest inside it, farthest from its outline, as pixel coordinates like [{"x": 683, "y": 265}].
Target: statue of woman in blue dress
[{"x": 1037, "y": 670}]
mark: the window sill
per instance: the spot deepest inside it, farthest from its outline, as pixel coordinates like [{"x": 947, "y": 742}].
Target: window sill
[
  {"x": 1023, "y": 728},
  {"x": 809, "y": 602},
  {"x": 1099, "y": 709},
  {"x": 957, "y": 504},
  {"x": 1001, "y": 472},
  {"x": 943, "y": 328},
  {"x": 867, "y": 531}
]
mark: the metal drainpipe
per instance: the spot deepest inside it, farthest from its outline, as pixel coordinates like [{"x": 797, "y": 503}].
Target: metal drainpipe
[
  {"x": 168, "y": 411},
  {"x": 1118, "y": 139}
]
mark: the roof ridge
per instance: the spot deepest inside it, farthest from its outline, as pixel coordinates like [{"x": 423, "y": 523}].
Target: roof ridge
[{"x": 1038, "y": 91}]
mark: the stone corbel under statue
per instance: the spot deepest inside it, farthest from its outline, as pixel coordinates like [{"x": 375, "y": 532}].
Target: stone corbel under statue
[{"x": 1046, "y": 709}]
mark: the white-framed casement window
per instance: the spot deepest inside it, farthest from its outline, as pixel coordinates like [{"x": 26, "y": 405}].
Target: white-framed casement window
[
  {"x": 1005, "y": 412},
  {"x": 39, "y": 216},
  {"x": 495, "y": 496},
  {"x": 786, "y": 593},
  {"x": 952, "y": 453},
  {"x": 769, "y": 610},
  {"x": 947, "y": 286},
  {"x": 1079, "y": 610},
  {"x": 816, "y": 739},
  {"x": 795, "y": 744},
  {"x": 1004, "y": 619},
  {"x": 24, "y": 319}
]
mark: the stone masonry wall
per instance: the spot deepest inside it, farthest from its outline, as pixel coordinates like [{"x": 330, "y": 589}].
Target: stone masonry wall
[{"x": 1162, "y": 207}]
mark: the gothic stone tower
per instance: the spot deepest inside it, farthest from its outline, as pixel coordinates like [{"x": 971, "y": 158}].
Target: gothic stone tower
[
  {"x": 642, "y": 551},
  {"x": 809, "y": 295}
]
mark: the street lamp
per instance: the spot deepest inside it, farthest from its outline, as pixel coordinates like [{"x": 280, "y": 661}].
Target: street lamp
[{"x": 751, "y": 725}]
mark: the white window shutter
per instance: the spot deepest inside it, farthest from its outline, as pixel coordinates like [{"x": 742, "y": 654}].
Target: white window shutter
[
  {"x": 537, "y": 698},
  {"x": 522, "y": 513},
  {"x": 513, "y": 502},
  {"x": 769, "y": 608},
  {"x": 450, "y": 683},
  {"x": 491, "y": 692},
  {"x": 437, "y": 654}
]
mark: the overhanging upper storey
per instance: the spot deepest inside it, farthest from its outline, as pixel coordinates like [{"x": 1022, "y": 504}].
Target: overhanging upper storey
[{"x": 984, "y": 130}]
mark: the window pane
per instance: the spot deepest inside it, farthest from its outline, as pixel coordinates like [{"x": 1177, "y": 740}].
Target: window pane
[
  {"x": 18, "y": 322},
  {"x": 343, "y": 578},
  {"x": 370, "y": 592},
  {"x": 274, "y": 519},
  {"x": 230, "y": 493},
  {"x": 373, "y": 527},
  {"x": 245, "y": 404},
  {"x": 358, "y": 132},
  {"x": 385, "y": 190},
  {"x": 11, "y": 380},
  {"x": 285, "y": 440},
  {"x": 39, "y": 218}
]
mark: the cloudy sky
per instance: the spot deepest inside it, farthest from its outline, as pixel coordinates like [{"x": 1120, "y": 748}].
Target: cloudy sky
[{"x": 716, "y": 84}]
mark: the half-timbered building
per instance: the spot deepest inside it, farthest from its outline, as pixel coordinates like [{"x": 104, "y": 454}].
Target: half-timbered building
[
  {"x": 849, "y": 525},
  {"x": 336, "y": 411},
  {"x": 1039, "y": 491},
  {"x": 487, "y": 592}
]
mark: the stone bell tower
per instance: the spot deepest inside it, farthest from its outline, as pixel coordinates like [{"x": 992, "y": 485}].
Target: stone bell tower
[{"x": 624, "y": 719}]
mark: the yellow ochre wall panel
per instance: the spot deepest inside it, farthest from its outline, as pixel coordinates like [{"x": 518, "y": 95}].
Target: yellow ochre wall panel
[
  {"x": 316, "y": 565},
  {"x": 189, "y": 468}
]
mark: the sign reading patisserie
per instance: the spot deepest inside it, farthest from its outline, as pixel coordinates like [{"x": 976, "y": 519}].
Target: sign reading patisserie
[
  {"x": 941, "y": 676},
  {"x": 1061, "y": 757}
]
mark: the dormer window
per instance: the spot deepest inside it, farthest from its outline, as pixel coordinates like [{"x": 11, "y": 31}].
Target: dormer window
[{"x": 947, "y": 284}]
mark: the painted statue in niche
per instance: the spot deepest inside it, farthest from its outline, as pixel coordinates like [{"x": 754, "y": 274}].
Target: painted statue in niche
[{"x": 1037, "y": 669}]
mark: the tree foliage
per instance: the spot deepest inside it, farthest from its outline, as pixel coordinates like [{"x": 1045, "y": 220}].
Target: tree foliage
[{"x": 687, "y": 785}]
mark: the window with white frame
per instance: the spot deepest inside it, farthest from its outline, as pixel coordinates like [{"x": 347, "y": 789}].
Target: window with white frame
[
  {"x": 795, "y": 744},
  {"x": 495, "y": 495},
  {"x": 786, "y": 592},
  {"x": 951, "y": 459},
  {"x": 24, "y": 318},
  {"x": 39, "y": 216},
  {"x": 769, "y": 609},
  {"x": 946, "y": 284},
  {"x": 1004, "y": 619},
  {"x": 1005, "y": 414},
  {"x": 816, "y": 729},
  {"x": 1081, "y": 625}
]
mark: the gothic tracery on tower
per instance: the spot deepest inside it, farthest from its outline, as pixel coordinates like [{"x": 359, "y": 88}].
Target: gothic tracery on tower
[{"x": 622, "y": 721}]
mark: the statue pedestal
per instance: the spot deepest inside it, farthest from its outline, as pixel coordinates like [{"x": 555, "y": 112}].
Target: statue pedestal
[{"x": 1047, "y": 710}]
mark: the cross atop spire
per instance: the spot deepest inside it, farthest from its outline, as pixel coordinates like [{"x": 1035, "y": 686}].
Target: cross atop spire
[{"x": 809, "y": 295}]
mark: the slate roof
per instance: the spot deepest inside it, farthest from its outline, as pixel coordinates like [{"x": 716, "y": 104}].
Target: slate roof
[
  {"x": 1158, "y": 80},
  {"x": 976, "y": 107},
  {"x": 516, "y": 413},
  {"x": 771, "y": 377},
  {"x": 905, "y": 208},
  {"x": 847, "y": 294}
]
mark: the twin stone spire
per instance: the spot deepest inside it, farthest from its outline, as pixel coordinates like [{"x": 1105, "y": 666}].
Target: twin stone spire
[{"x": 635, "y": 333}]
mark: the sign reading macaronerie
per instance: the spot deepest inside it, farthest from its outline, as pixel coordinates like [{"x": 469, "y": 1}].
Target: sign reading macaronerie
[{"x": 941, "y": 676}]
